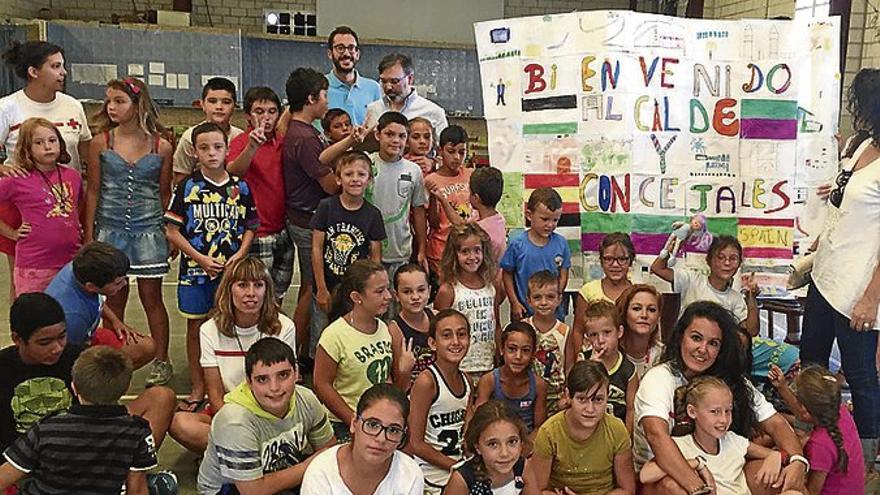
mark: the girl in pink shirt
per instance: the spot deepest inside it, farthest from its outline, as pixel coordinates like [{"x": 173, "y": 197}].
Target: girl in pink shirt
[
  {"x": 834, "y": 451},
  {"x": 48, "y": 197}
]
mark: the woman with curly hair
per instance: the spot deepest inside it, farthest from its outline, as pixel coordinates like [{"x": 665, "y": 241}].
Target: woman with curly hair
[
  {"x": 843, "y": 301},
  {"x": 705, "y": 342}
]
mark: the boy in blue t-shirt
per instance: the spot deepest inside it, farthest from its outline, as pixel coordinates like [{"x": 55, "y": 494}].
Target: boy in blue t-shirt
[
  {"x": 538, "y": 248},
  {"x": 212, "y": 220}
]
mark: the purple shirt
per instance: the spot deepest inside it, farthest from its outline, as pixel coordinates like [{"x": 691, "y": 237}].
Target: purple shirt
[
  {"x": 302, "y": 146},
  {"x": 822, "y": 453}
]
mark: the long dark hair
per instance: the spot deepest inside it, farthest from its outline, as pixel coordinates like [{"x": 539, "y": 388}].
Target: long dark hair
[
  {"x": 731, "y": 365},
  {"x": 863, "y": 103},
  {"x": 354, "y": 280}
]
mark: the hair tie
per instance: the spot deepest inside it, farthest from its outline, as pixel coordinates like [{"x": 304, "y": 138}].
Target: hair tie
[{"x": 134, "y": 88}]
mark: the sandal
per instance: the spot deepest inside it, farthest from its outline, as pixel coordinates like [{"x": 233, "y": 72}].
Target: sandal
[{"x": 190, "y": 405}]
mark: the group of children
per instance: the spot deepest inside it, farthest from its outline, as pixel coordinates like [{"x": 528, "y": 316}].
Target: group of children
[{"x": 405, "y": 228}]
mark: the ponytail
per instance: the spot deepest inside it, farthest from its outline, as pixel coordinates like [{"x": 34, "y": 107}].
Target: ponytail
[
  {"x": 819, "y": 392},
  {"x": 354, "y": 280}
]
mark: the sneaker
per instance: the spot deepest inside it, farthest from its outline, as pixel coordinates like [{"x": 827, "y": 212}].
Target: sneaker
[
  {"x": 160, "y": 374},
  {"x": 162, "y": 483}
]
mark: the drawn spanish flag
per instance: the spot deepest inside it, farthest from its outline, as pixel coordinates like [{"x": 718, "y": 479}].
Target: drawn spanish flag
[
  {"x": 649, "y": 233},
  {"x": 567, "y": 185},
  {"x": 766, "y": 237}
]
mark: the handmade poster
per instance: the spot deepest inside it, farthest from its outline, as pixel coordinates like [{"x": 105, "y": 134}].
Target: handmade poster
[{"x": 642, "y": 120}]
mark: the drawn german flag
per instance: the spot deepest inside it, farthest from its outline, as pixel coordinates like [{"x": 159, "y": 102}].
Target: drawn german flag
[{"x": 567, "y": 185}]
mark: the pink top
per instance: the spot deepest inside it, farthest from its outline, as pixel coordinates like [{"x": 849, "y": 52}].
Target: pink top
[
  {"x": 822, "y": 453},
  {"x": 496, "y": 227},
  {"x": 53, "y": 213},
  {"x": 457, "y": 190}
]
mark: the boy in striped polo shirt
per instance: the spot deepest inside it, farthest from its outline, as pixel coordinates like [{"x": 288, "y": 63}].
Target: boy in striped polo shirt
[{"x": 96, "y": 447}]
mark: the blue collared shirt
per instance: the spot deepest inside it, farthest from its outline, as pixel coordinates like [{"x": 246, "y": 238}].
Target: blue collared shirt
[{"x": 355, "y": 98}]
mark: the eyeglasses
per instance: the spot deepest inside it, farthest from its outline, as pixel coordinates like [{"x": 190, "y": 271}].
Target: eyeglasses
[
  {"x": 345, "y": 48},
  {"x": 394, "y": 81},
  {"x": 727, "y": 259},
  {"x": 836, "y": 196},
  {"x": 620, "y": 260},
  {"x": 373, "y": 427}
]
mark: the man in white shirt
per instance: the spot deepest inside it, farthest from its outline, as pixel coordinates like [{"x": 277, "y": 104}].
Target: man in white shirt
[{"x": 396, "y": 76}]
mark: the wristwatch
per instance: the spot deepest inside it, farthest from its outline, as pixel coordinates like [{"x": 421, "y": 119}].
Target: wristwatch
[{"x": 703, "y": 490}]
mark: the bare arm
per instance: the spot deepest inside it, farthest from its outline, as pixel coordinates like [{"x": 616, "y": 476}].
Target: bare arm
[
  {"x": 865, "y": 310},
  {"x": 563, "y": 280},
  {"x": 456, "y": 485},
  {"x": 517, "y": 310},
  {"x": 402, "y": 364},
  {"x": 660, "y": 267},
  {"x": 337, "y": 149},
  {"x": 82, "y": 148},
  {"x": 422, "y": 392},
  {"x": 214, "y": 387},
  {"x": 631, "y": 389},
  {"x": 540, "y": 467},
  {"x": 540, "y": 414},
  {"x": 574, "y": 342},
  {"x": 376, "y": 251},
  {"x": 280, "y": 480},
  {"x": 136, "y": 483},
  {"x": 667, "y": 455},
  {"x": 485, "y": 387},
  {"x": 328, "y": 183},
  {"x": 816, "y": 481},
  {"x": 322, "y": 293},
  {"x": 438, "y": 201},
  {"x": 445, "y": 297},
  {"x": 651, "y": 472},
  {"x": 93, "y": 187},
  {"x": 420, "y": 226},
  {"x": 9, "y": 475},
  {"x": 793, "y": 475},
  {"x": 166, "y": 173},
  {"x": 624, "y": 474},
  {"x": 324, "y": 374}
]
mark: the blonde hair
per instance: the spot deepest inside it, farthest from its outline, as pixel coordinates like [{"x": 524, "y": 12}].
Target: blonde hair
[
  {"x": 23, "y": 156},
  {"x": 449, "y": 267},
  {"x": 147, "y": 111},
  {"x": 690, "y": 395},
  {"x": 248, "y": 269}
]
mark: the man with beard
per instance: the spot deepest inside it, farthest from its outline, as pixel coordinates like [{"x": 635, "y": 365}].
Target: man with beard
[
  {"x": 348, "y": 89},
  {"x": 396, "y": 75}
]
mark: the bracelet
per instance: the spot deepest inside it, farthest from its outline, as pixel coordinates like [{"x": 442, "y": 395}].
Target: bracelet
[
  {"x": 800, "y": 458},
  {"x": 786, "y": 457},
  {"x": 701, "y": 463}
]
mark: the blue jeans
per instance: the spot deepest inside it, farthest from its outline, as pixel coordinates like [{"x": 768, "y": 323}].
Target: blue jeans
[{"x": 822, "y": 324}]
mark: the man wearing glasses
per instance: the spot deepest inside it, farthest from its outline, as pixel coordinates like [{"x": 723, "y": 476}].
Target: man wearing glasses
[
  {"x": 267, "y": 429},
  {"x": 396, "y": 75},
  {"x": 348, "y": 89}
]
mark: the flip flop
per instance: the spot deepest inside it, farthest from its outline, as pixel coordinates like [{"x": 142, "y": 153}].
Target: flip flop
[{"x": 189, "y": 405}]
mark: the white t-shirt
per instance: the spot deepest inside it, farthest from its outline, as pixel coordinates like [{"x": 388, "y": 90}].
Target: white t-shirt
[
  {"x": 726, "y": 466},
  {"x": 849, "y": 247},
  {"x": 64, "y": 111},
  {"x": 322, "y": 476},
  {"x": 656, "y": 398},
  {"x": 227, "y": 353},
  {"x": 694, "y": 286}
]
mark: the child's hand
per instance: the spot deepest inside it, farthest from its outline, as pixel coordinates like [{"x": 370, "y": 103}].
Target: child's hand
[
  {"x": 12, "y": 171},
  {"x": 777, "y": 377},
  {"x": 23, "y": 230},
  {"x": 212, "y": 266},
  {"x": 597, "y": 354},
  {"x": 565, "y": 491},
  {"x": 750, "y": 285},
  {"x": 322, "y": 299},
  {"x": 769, "y": 472},
  {"x": 235, "y": 257},
  {"x": 257, "y": 137},
  {"x": 425, "y": 163},
  {"x": 707, "y": 478},
  {"x": 517, "y": 311},
  {"x": 437, "y": 192},
  {"x": 407, "y": 359},
  {"x": 360, "y": 132}
]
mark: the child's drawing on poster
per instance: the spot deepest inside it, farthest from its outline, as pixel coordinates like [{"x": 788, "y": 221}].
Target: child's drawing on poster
[{"x": 657, "y": 118}]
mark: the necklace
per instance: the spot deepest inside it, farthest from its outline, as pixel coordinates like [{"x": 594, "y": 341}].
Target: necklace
[{"x": 63, "y": 205}]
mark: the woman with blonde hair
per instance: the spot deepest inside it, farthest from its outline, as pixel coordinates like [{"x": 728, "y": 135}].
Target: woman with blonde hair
[{"x": 245, "y": 311}]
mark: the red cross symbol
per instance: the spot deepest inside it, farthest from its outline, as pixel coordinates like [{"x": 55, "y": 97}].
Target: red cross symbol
[{"x": 73, "y": 123}]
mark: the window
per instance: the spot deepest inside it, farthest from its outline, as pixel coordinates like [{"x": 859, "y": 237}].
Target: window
[{"x": 812, "y": 8}]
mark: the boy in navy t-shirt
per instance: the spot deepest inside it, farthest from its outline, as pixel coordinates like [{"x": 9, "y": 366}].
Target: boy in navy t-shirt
[{"x": 212, "y": 220}]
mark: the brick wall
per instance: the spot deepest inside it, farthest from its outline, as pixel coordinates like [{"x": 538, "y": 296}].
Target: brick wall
[
  {"x": 747, "y": 9},
  {"x": 521, "y": 8}
]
